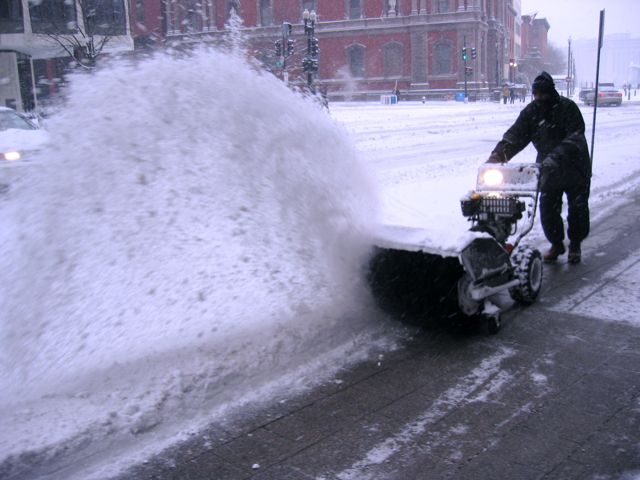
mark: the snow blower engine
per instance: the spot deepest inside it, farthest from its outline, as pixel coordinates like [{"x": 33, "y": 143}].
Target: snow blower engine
[{"x": 503, "y": 206}]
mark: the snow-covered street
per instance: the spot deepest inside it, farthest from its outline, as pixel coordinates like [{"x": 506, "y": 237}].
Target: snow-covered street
[{"x": 167, "y": 264}]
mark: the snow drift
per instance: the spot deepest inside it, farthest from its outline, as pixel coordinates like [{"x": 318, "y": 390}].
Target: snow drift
[{"x": 197, "y": 233}]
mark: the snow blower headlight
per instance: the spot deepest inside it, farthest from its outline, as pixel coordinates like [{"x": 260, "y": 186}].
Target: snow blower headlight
[{"x": 493, "y": 178}]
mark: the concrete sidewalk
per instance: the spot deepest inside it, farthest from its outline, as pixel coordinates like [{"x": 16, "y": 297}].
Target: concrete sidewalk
[{"x": 555, "y": 395}]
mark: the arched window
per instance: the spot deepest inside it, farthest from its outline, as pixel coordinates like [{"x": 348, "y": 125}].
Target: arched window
[
  {"x": 393, "y": 59},
  {"x": 266, "y": 13},
  {"x": 355, "y": 8},
  {"x": 442, "y": 58},
  {"x": 355, "y": 58}
]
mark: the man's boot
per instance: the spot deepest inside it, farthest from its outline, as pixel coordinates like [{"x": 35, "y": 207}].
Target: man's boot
[
  {"x": 575, "y": 254},
  {"x": 553, "y": 253}
]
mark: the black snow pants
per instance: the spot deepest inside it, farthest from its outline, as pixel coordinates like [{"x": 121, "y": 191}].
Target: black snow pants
[{"x": 577, "y": 217}]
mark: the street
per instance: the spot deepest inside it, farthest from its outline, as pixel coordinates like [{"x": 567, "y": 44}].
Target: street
[
  {"x": 268, "y": 365},
  {"x": 555, "y": 395}
]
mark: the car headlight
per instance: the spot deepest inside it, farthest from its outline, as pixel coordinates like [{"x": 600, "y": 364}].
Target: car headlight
[
  {"x": 493, "y": 177},
  {"x": 11, "y": 156}
]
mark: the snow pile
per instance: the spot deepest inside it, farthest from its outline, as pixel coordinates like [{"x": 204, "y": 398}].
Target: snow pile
[{"x": 197, "y": 232}]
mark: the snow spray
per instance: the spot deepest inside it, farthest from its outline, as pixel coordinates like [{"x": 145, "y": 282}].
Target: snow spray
[{"x": 196, "y": 231}]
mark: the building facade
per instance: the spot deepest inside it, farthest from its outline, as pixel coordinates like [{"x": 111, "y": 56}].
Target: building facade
[
  {"x": 370, "y": 46},
  {"x": 39, "y": 39},
  {"x": 374, "y": 46}
]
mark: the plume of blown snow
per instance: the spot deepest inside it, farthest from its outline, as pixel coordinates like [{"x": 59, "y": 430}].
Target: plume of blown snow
[{"x": 196, "y": 230}]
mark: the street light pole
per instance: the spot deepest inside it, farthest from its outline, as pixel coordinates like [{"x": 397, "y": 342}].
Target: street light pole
[{"x": 310, "y": 61}]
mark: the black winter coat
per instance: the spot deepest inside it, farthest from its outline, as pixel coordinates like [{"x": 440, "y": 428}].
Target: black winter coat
[{"x": 556, "y": 129}]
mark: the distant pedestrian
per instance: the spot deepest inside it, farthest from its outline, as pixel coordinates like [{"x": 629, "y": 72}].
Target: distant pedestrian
[
  {"x": 523, "y": 94},
  {"x": 505, "y": 94},
  {"x": 512, "y": 95}
]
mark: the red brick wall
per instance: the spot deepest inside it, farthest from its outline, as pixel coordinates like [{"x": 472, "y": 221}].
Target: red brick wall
[
  {"x": 153, "y": 22},
  {"x": 334, "y": 53}
]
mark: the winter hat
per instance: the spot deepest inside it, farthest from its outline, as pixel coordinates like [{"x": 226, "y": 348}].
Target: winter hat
[{"x": 543, "y": 84}]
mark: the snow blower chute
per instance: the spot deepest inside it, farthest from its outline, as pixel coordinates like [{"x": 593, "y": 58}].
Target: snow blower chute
[{"x": 414, "y": 279}]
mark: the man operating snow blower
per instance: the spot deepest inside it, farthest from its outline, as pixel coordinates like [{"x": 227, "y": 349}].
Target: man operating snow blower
[{"x": 555, "y": 126}]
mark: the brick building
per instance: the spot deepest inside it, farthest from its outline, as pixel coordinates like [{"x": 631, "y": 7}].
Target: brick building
[
  {"x": 370, "y": 46},
  {"x": 534, "y": 57}
]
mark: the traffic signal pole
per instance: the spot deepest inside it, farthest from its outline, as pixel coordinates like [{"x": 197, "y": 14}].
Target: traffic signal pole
[{"x": 464, "y": 58}]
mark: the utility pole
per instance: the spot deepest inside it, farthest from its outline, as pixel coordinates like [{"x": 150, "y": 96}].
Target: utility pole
[
  {"x": 595, "y": 97},
  {"x": 569, "y": 70}
]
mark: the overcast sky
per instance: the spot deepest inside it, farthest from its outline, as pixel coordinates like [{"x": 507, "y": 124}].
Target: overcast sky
[{"x": 580, "y": 18}]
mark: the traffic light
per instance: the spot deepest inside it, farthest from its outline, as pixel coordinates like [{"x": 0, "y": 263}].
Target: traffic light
[
  {"x": 315, "y": 47},
  {"x": 290, "y": 47},
  {"x": 464, "y": 53},
  {"x": 278, "y": 48},
  {"x": 474, "y": 53},
  {"x": 468, "y": 71}
]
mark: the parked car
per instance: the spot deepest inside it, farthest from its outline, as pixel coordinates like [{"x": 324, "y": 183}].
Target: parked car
[
  {"x": 19, "y": 140},
  {"x": 606, "y": 96},
  {"x": 18, "y": 135},
  {"x": 584, "y": 92}
]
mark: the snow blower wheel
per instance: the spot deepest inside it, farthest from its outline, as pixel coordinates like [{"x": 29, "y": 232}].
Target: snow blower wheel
[{"x": 528, "y": 270}]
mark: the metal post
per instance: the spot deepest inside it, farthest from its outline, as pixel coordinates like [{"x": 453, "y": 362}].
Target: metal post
[
  {"x": 595, "y": 98},
  {"x": 569, "y": 70},
  {"x": 308, "y": 29},
  {"x": 464, "y": 46}
]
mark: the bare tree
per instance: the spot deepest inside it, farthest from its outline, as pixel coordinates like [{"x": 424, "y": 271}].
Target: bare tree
[
  {"x": 82, "y": 28},
  {"x": 556, "y": 60}
]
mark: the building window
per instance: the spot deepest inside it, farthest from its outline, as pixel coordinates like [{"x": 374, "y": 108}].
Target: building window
[
  {"x": 266, "y": 13},
  {"x": 390, "y": 7},
  {"x": 442, "y": 6},
  {"x": 193, "y": 16},
  {"x": 52, "y": 16},
  {"x": 393, "y": 59},
  {"x": 105, "y": 17},
  {"x": 171, "y": 17},
  {"x": 11, "y": 16},
  {"x": 442, "y": 59},
  {"x": 355, "y": 58},
  {"x": 140, "y": 13},
  {"x": 355, "y": 9},
  {"x": 209, "y": 15},
  {"x": 309, "y": 5},
  {"x": 232, "y": 5}
]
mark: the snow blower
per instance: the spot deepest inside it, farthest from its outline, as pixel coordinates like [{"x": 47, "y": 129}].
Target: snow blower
[{"x": 416, "y": 280}]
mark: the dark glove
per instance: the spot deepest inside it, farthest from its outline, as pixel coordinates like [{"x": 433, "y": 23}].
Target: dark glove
[
  {"x": 495, "y": 157},
  {"x": 549, "y": 168},
  {"x": 550, "y": 164}
]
